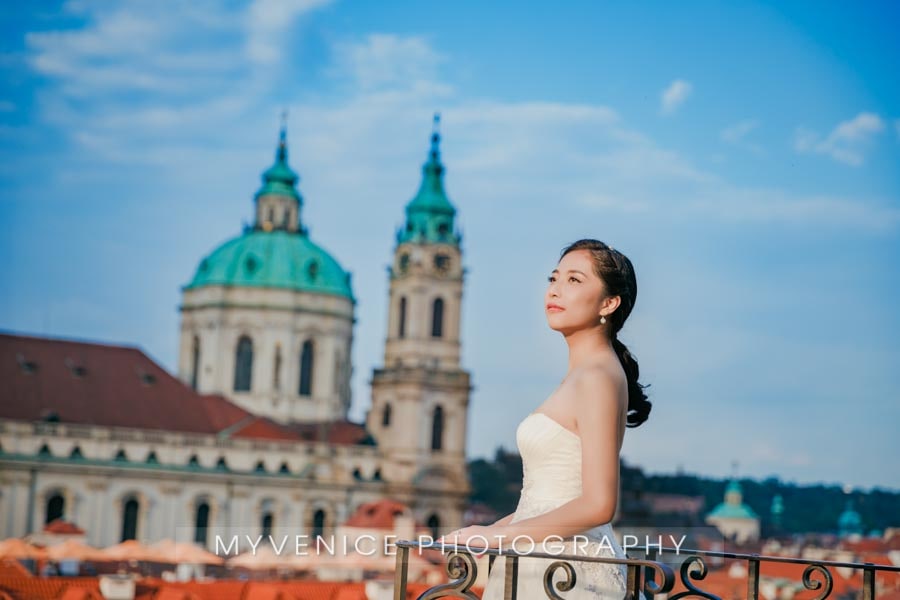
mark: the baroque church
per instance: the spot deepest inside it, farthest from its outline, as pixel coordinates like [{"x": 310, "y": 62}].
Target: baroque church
[{"x": 252, "y": 435}]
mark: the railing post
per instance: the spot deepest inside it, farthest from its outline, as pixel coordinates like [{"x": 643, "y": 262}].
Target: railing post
[
  {"x": 400, "y": 573},
  {"x": 634, "y": 582},
  {"x": 753, "y": 578},
  {"x": 511, "y": 577},
  {"x": 868, "y": 582}
]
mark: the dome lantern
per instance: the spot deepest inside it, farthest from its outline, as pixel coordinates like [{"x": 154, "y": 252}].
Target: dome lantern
[{"x": 278, "y": 202}]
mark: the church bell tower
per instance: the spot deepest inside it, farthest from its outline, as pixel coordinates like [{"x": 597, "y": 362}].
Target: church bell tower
[{"x": 420, "y": 396}]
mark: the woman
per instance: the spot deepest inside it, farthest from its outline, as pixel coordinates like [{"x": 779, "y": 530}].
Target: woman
[{"x": 570, "y": 444}]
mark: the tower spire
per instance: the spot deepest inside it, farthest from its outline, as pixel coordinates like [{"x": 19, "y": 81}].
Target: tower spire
[
  {"x": 429, "y": 215},
  {"x": 281, "y": 156},
  {"x": 435, "y": 154}
]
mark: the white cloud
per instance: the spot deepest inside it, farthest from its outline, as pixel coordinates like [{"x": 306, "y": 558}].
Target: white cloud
[
  {"x": 268, "y": 22},
  {"x": 136, "y": 47},
  {"x": 388, "y": 61},
  {"x": 178, "y": 50},
  {"x": 738, "y": 134},
  {"x": 675, "y": 95},
  {"x": 845, "y": 143}
]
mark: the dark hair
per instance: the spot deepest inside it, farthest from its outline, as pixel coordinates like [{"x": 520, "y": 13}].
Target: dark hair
[{"x": 617, "y": 274}]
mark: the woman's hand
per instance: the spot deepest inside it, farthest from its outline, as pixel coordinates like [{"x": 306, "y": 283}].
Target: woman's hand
[{"x": 474, "y": 537}]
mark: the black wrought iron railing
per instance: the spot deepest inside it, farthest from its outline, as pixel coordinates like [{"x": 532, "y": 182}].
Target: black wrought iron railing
[{"x": 648, "y": 576}]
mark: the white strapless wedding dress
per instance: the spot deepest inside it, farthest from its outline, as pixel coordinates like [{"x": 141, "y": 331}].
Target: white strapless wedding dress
[{"x": 551, "y": 461}]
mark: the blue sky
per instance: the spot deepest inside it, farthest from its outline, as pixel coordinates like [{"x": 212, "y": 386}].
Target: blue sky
[{"x": 744, "y": 156}]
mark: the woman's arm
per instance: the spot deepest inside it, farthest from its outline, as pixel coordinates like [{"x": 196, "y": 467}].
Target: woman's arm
[{"x": 505, "y": 520}]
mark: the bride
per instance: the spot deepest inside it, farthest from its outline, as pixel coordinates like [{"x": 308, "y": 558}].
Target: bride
[{"x": 570, "y": 444}]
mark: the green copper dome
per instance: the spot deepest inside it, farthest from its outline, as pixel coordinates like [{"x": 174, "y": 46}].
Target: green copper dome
[
  {"x": 429, "y": 215},
  {"x": 279, "y": 259},
  {"x": 850, "y": 520},
  {"x": 733, "y": 507},
  {"x": 275, "y": 253},
  {"x": 733, "y": 511}
]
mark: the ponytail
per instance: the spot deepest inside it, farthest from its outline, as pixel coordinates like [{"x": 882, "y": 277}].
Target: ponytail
[{"x": 638, "y": 405}]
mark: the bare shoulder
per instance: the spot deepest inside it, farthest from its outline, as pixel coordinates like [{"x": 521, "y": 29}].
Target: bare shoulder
[{"x": 599, "y": 384}]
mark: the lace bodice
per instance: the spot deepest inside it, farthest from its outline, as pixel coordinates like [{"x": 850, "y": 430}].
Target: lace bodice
[{"x": 551, "y": 462}]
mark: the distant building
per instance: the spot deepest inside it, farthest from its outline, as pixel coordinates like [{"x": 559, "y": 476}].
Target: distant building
[
  {"x": 849, "y": 522},
  {"x": 734, "y": 519},
  {"x": 252, "y": 437}
]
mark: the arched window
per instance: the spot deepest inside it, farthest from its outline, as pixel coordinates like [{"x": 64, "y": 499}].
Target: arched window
[
  {"x": 266, "y": 525},
  {"x": 243, "y": 364},
  {"x": 201, "y": 523},
  {"x": 401, "y": 332},
  {"x": 434, "y": 524},
  {"x": 386, "y": 415},
  {"x": 306, "y": 369},
  {"x": 437, "y": 428},
  {"x": 129, "y": 519},
  {"x": 276, "y": 372},
  {"x": 195, "y": 362},
  {"x": 437, "y": 318},
  {"x": 56, "y": 507},
  {"x": 338, "y": 371},
  {"x": 318, "y": 526}
]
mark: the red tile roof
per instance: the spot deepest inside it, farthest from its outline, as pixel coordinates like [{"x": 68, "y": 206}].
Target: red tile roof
[
  {"x": 149, "y": 588},
  {"x": 61, "y": 526},
  {"x": 11, "y": 567},
  {"x": 120, "y": 386},
  {"x": 73, "y": 593},
  {"x": 172, "y": 593},
  {"x": 865, "y": 545},
  {"x": 49, "y": 588},
  {"x": 334, "y": 432}
]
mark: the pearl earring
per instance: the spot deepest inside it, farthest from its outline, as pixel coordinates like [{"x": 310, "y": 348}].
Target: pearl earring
[{"x": 602, "y": 319}]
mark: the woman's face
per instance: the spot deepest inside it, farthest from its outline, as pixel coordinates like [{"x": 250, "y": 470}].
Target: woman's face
[{"x": 575, "y": 296}]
